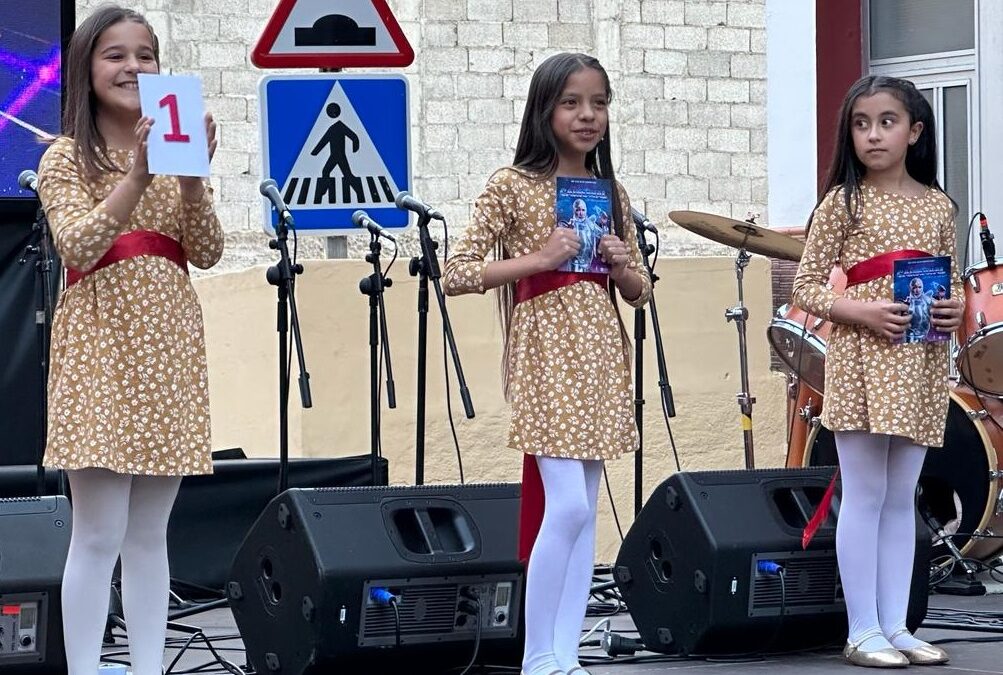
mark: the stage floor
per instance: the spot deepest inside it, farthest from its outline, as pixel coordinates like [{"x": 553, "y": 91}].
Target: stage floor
[{"x": 966, "y": 657}]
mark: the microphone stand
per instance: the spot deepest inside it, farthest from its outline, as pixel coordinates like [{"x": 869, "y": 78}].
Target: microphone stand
[
  {"x": 283, "y": 277},
  {"x": 665, "y": 390},
  {"x": 373, "y": 286},
  {"x": 426, "y": 267},
  {"x": 41, "y": 246}
]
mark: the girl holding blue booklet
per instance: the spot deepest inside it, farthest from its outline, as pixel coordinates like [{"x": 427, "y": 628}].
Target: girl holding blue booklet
[
  {"x": 885, "y": 402},
  {"x": 567, "y": 359}
]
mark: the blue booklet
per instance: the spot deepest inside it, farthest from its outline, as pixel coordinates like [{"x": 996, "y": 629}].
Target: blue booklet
[
  {"x": 919, "y": 282},
  {"x": 585, "y": 205}
]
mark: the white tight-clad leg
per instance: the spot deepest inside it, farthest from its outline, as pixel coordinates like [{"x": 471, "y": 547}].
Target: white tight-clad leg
[
  {"x": 146, "y": 579},
  {"x": 578, "y": 581},
  {"x": 897, "y": 540},
  {"x": 117, "y": 514},
  {"x": 100, "y": 517},
  {"x": 568, "y": 512},
  {"x": 876, "y": 535}
]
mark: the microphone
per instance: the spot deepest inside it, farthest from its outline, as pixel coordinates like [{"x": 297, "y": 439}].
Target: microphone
[
  {"x": 362, "y": 219},
  {"x": 988, "y": 247},
  {"x": 641, "y": 221},
  {"x": 405, "y": 201},
  {"x": 28, "y": 180},
  {"x": 270, "y": 190}
]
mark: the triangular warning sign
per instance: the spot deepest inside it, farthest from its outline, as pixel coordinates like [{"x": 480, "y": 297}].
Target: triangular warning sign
[
  {"x": 332, "y": 34},
  {"x": 339, "y": 165}
]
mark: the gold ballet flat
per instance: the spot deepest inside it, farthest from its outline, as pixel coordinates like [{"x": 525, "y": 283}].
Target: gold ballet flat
[
  {"x": 927, "y": 655},
  {"x": 882, "y": 658}
]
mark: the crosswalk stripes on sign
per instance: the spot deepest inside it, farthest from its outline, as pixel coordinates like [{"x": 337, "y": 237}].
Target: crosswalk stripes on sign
[{"x": 335, "y": 144}]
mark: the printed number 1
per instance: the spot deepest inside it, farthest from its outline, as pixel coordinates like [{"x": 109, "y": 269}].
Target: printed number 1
[{"x": 171, "y": 101}]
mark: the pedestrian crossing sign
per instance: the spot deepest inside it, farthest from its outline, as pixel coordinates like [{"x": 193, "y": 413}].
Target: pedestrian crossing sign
[{"x": 335, "y": 144}]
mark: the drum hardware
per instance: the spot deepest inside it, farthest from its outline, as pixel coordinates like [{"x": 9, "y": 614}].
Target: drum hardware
[
  {"x": 976, "y": 415},
  {"x": 981, "y": 318},
  {"x": 974, "y": 281},
  {"x": 807, "y": 413},
  {"x": 748, "y": 238},
  {"x": 740, "y": 314}
]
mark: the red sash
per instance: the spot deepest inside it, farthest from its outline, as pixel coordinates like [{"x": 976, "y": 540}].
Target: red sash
[
  {"x": 879, "y": 266},
  {"x": 131, "y": 245},
  {"x": 529, "y": 287},
  {"x": 532, "y": 502}
]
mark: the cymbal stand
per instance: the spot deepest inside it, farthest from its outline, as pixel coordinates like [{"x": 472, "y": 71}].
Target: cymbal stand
[{"x": 740, "y": 314}]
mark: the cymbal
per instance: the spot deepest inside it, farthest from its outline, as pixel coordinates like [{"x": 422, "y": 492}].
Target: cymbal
[{"x": 739, "y": 234}]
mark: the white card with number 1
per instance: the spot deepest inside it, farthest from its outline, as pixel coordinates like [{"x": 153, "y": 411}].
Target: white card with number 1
[{"x": 178, "y": 144}]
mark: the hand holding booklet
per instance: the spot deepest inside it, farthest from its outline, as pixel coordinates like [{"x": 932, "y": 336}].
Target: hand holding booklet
[
  {"x": 585, "y": 205},
  {"x": 918, "y": 283}
]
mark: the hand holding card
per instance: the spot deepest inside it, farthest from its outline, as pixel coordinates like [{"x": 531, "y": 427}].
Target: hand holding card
[{"x": 179, "y": 144}]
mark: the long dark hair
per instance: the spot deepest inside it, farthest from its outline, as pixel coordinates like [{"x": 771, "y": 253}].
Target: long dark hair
[
  {"x": 536, "y": 156},
  {"x": 847, "y": 171},
  {"x": 80, "y": 113}
]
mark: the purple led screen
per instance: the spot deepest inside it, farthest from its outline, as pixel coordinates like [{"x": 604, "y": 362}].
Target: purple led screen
[{"x": 30, "y": 38}]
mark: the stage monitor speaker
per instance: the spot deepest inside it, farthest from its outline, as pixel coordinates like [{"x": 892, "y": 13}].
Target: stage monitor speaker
[
  {"x": 694, "y": 567},
  {"x": 213, "y": 513},
  {"x": 309, "y": 585},
  {"x": 34, "y": 540}
]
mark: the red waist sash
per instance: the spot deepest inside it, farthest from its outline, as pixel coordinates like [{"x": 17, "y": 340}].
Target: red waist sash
[
  {"x": 529, "y": 287},
  {"x": 131, "y": 245},
  {"x": 879, "y": 266}
]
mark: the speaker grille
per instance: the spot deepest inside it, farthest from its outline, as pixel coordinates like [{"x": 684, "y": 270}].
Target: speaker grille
[
  {"x": 811, "y": 584},
  {"x": 424, "y": 610}
]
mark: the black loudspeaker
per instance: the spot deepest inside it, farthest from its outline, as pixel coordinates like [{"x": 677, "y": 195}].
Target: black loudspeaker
[
  {"x": 34, "y": 540},
  {"x": 213, "y": 513},
  {"x": 694, "y": 569},
  {"x": 310, "y": 584}
]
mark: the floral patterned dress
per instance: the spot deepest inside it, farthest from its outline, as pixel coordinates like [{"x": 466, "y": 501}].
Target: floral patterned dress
[
  {"x": 128, "y": 389},
  {"x": 568, "y": 363},
  {"x": 871, "y": 383}
]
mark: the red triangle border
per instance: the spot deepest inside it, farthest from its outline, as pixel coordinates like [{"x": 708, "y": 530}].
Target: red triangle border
[{"x": 262, "y": 57}]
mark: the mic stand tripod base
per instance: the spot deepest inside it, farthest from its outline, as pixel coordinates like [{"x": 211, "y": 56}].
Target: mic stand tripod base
[{"x": 963, "y": 584}]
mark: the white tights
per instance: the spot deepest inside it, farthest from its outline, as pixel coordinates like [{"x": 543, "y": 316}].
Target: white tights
[
  {"x": 559, "y": 575},
  {"x": 876, "y": 534},
  {"x": 117, "y": 514}
]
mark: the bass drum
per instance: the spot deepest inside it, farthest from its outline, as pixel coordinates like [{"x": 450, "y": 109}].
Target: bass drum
[{"x": 961, "y": 482}]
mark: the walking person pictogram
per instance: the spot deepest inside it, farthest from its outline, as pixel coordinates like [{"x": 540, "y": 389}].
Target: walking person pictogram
[{"x": 335, "y": 138}]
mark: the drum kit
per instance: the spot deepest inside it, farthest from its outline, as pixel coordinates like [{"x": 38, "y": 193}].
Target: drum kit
[{"x": 962, "y": 483}]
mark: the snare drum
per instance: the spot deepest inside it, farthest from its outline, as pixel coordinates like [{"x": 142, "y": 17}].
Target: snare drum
[
  {"x": 979, "y": 357},
  {"x": 799, "y": 338},
  {"x": 962, "y": 482}
]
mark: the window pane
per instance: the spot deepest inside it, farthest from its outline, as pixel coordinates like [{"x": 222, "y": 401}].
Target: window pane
[
  {"x": 928, "y": 95},
  {"x": 956, "y": 156},
  {"x": 912, "y": 27}
]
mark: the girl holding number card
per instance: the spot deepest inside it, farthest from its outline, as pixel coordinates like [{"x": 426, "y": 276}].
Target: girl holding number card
[
  {"x": 128, "y": 399},
  {"x": 566, "y": 364},
  {"x": 886, "y": 402}
]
